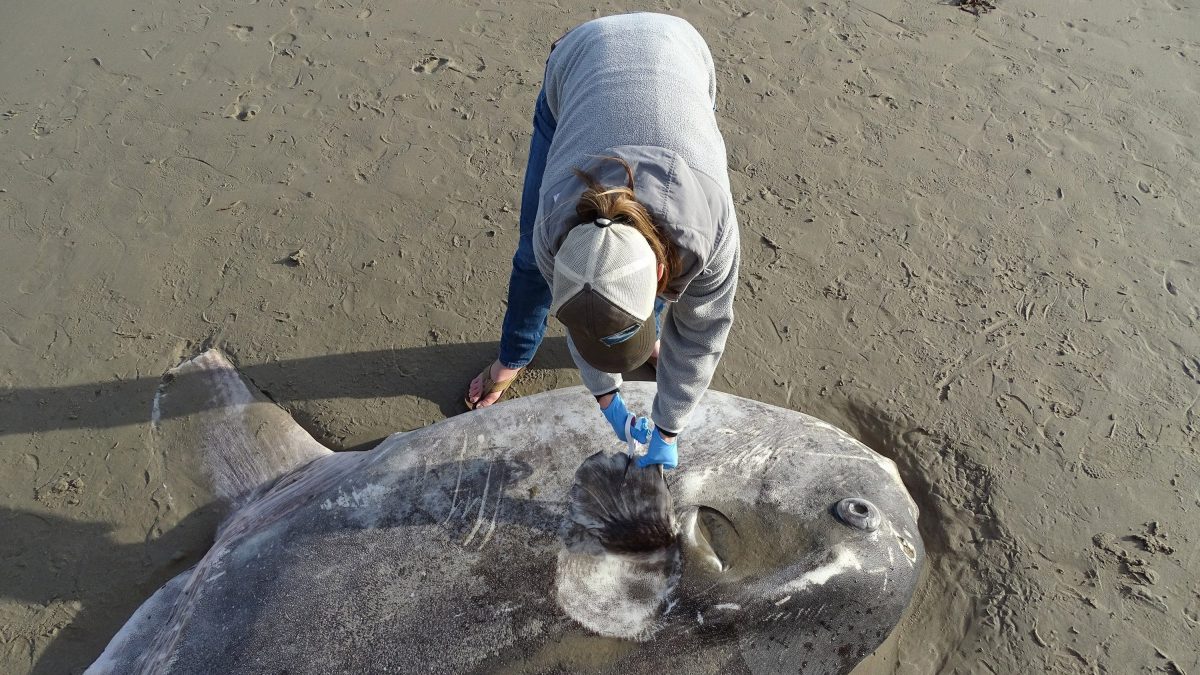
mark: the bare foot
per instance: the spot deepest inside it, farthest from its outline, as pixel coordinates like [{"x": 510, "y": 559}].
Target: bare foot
[{"x": 498, "y": 374}]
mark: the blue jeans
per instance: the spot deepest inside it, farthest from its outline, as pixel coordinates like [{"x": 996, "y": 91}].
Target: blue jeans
[
  {"x": 528, "y": 310},
  {"x": 528, "y": 293}
]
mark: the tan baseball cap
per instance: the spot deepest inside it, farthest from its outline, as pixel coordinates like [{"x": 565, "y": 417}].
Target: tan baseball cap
[{"x": 605, "y": 280}]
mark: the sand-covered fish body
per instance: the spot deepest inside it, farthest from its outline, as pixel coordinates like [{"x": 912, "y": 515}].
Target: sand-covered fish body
[{"x": 517, "y": 539}]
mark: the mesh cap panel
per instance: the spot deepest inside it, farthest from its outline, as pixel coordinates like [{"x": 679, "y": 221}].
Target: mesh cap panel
[{"x": 615, "y": 260}]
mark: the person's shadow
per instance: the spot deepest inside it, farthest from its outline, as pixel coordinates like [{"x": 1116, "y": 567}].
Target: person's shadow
[{"x": 438, "y": 373}]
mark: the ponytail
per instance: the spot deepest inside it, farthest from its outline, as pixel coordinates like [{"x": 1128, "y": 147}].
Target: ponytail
[{"x": 620, "y": 205}]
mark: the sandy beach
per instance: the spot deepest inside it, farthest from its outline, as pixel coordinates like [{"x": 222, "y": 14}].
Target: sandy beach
[{"x": 969, "y": 240}]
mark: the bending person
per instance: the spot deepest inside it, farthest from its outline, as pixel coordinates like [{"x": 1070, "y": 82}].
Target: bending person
[{"x": 628, "y": 232}]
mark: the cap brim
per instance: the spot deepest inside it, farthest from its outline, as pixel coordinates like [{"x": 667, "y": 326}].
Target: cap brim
[{"x": 620, "y": 358}]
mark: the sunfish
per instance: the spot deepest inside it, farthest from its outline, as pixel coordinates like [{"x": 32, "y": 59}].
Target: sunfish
[{"x": 521, "y": 539}]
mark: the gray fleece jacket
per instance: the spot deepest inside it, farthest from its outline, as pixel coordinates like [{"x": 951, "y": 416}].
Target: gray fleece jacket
[{"x": 642, "y": 87}]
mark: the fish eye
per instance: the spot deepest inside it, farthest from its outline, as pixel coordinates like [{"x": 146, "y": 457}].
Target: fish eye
[{"x": 858, "y": 513}]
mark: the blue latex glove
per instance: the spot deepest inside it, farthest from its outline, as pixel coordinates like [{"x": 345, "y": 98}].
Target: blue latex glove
[
  {"x": 616, "y": 413},
  {"x": 660, "y": 452}
]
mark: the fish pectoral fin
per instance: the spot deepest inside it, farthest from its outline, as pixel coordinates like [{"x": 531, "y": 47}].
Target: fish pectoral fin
[
  {"x": 620, "y": 560},
  {"x": 626, "y": 508}
]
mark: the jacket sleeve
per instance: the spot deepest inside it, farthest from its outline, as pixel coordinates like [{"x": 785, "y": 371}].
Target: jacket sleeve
[{"x": 693, "y": 335}]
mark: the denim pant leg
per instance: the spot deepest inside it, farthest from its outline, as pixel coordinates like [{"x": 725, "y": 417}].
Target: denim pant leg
[
  {"x": 528, "y": 293},
  {"x": 659, "y": 306}
]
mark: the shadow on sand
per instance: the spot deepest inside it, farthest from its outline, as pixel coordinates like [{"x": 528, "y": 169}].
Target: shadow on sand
[
  {"x": 437, "y": 373},
  {"x": 52, "y": 548}
]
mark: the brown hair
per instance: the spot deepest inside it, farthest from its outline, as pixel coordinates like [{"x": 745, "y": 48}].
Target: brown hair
[{"x": 620, "y": 205}]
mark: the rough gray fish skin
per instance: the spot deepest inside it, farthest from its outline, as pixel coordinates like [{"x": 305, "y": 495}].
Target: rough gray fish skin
[{"x": 517, "y": 539}]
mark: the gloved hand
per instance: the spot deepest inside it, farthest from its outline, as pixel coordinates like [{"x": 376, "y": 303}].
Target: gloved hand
[
  {"x": 660, "y": 452},
  {"x": 616, "y": 413}
]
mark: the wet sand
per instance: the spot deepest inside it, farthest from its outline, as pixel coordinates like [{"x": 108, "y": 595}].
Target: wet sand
[{"x": 970, "y": 241}]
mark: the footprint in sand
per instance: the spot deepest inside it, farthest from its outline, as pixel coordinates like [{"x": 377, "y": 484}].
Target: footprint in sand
[
  {"x": 242, "y": 32},
  {"x": 432, "y": 64},
  {"x": 284, "y": 43},
  {"x": 243, "y": 112}
]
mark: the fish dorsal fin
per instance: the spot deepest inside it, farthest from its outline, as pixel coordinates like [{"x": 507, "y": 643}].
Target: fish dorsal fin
[
  {"x": 620, "y": 559},
  {"x": 206, "y": 414}
]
